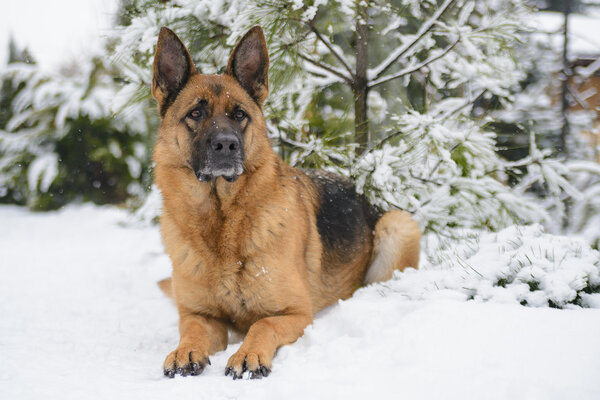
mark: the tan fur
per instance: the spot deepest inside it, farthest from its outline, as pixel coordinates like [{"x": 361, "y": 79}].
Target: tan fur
[
  {"x": 396, "y": 246},
  {"x": 247, "y": 255},
  {"x": 166, "y": 287}
]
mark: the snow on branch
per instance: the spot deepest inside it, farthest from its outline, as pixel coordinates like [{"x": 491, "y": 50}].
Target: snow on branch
[
  {"x": 378, "y": 71},
  {"x": 326, "y": 67},
  {"x": 529, "y": 267},
  {"x": 469, "y": 101},
  {"x": 415, "y": 68},
  {"x": 329, "y": 46},
  {"x": 587, "y": 72}
]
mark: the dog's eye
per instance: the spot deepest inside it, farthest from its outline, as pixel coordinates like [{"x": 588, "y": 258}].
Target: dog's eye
[
  {"x": 239, "y": 115},
  {"x": 195, "y": 114}
]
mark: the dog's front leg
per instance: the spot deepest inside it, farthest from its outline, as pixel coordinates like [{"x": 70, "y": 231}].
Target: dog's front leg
[
  {"x": 262, "y": 340},
  {"x": 200, "y": 337}
]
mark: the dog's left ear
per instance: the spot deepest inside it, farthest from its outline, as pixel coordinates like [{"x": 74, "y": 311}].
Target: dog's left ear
[{"x": 249, "y": 64}]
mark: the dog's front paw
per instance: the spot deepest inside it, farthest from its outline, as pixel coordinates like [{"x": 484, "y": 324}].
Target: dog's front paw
[
  {"x": 185, "y": 360},
  {"x": 242, "y": 361}
]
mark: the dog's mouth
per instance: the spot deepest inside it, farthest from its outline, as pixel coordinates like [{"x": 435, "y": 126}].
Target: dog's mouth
[{"x": 228, "y": 171}]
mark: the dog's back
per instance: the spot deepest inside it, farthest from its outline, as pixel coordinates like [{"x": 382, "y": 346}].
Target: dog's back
[
  {"x": 360, "y": 244},
  {"x": 345, "y": 223}
]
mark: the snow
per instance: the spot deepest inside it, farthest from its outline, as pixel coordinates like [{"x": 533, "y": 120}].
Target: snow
[
  {"x": 398, "y": 52},
  {"x": 82, "y": 317},
  {"x": 520, "y": 264},
  {"x": 56, "y": 31},
  {"x": 584, "y": 37},
  {"x": 44, "y": 167}
]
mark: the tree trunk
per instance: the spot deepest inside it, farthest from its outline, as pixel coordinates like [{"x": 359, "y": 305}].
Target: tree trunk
[
  {"x": 566, "y": 73},
  {"x": 359, "y": 86},
  {"x": 565, "y": 81}
]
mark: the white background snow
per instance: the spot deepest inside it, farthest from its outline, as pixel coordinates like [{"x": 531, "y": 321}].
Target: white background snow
[
  {"x": 56, "y": 32},
  {"x": 82, "y": 318},
  {"x": 584, "y": 31}
]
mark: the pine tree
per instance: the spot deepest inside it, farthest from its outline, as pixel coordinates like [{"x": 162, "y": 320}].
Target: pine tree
[
  {"x": 401, "y": 96},
  {"x": 405, "y": 96},
  {"x": 532, "y": 129},
  {"x": 8, "y": 92},
  {"x": 406, "y": 116},
  {"x": 61, "y": 141}
]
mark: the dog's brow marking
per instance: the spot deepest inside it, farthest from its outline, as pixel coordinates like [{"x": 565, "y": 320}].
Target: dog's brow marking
[
  {"x": 216, "y": 88},
  {"x": 200, "y": 101}
]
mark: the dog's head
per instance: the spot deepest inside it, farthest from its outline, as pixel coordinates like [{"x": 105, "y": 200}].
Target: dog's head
[{"x": 212, "y": 124}]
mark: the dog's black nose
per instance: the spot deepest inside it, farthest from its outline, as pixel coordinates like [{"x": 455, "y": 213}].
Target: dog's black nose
[{"x": 225, "y": 144}]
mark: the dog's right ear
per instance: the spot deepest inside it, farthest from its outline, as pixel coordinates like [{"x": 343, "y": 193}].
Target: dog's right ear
[{"x": 173, "y": 66}]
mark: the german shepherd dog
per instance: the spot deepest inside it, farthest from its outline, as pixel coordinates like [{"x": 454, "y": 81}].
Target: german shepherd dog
[{"x": 256, "y": 245}]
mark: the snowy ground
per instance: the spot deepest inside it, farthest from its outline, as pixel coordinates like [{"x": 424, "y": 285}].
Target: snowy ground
[{"x": 82, "y": 318}]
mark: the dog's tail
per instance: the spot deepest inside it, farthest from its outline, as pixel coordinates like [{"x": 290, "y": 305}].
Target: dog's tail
[
  {"x": 396, "y": 245},
  {"x": 166, "y": 286}
]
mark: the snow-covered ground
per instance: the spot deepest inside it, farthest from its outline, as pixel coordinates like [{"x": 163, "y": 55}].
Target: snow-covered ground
[{"x": 81, "y": 317}]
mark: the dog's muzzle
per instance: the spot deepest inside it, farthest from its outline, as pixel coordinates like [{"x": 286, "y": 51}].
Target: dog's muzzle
[{"x": 224, "y": 157}]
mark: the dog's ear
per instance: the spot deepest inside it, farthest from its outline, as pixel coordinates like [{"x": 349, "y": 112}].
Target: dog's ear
[
  {"x": 249, "y": 64},
  {"x": 173, "y": 66}
]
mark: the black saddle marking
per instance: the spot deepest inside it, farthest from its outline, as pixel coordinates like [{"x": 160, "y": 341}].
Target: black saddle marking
[{"x": 345, "y": 218}]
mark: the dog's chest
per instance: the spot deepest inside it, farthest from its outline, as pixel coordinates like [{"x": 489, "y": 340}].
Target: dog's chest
[
  {"x": 245, "y": 294},
  {"x": 229, "y": 273}
]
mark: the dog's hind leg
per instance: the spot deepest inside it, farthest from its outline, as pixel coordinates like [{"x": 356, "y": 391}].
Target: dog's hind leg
[{"x": 396, "y": 245}]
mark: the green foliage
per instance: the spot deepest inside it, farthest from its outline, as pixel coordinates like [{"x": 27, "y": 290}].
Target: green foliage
[
  {"x": 440, "y": 72},
  {"x": 8, "y": 92},
  {"x": 62, "y": 142},
  {"x": 528, "y": 267},
  {"x": 91, "y": 166},
  {"x": 448, "y": 54}
]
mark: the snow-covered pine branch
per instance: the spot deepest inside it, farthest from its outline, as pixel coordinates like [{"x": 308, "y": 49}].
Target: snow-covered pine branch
[
  {"x": 53, "y": 119},
  {"x": 411, "y": 69},
  {"x": 335, "y": 50},
  {"x": 433, "y": 125},
  {"x": 386, "y": 64}
]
